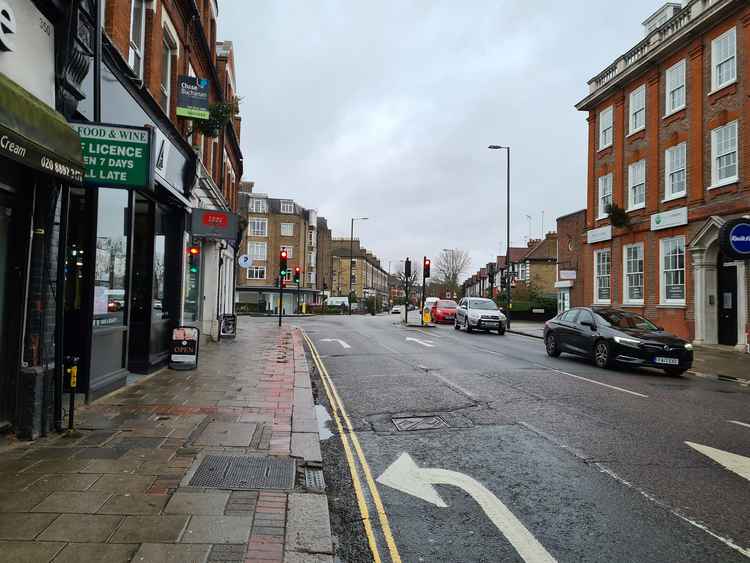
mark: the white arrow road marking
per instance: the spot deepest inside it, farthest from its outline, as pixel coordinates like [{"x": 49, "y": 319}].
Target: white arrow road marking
[
  {"x": 427, "y": 343},
  {"x": 343, "y": 344},
  {"x": 736, "y": 463},
  {"x": 406, "y": 476},
  {"x": 740, "y": 423}
]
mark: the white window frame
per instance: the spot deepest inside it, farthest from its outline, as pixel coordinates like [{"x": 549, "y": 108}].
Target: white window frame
[
  {"x": 135, "y": 48},
  {"x": 602, "y": 208},
  {"x": 287, "y": 207},
  {"x": 672, "y": 168},
  {"x": 718, "y": 153},
  {"x": 718, "y": 60},
  {"x": 258, "y": 205},
  {"x": 252, "y": 246},
  {"x": 636, "y": 178},
  {"x": 289, "y": 250},
  {"x": 168, "y": 43},
  {"x": 310, "y": 277},
  {"x": 287, "y": 229},
  {"x": 606, "y": 128},
  {"x": 597, "y": 276},
  {"x": 663, "y": 300},
  {"x": 626, "y": 274},
  {"x": 260, "y": 232},
  {"x": 675, "y": 80},
  {"x": 637, "y": 112},
  {"x": 256, "y": 270}
]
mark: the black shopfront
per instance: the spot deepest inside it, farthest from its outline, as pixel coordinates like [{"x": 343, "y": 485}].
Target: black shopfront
[{"x": 124, "y": 247}]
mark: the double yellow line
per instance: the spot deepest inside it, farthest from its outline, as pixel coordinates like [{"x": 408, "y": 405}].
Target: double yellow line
[{"x": 338, "y": 411}]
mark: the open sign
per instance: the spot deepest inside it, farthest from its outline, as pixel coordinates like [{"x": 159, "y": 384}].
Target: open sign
[{"x": 183, "y": 350}]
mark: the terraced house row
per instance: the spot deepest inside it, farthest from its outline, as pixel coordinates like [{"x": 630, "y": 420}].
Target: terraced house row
[{"x": 668, "y": 165}]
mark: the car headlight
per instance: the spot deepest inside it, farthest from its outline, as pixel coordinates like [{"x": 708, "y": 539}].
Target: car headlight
[
  {"x": 474, "y": 316},
  {"x": 502, "y": 317},
  {"x": 631, "y": 342},
  {"x": 688, "y": 346}
]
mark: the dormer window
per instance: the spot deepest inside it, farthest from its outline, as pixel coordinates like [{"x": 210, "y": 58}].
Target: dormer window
[{"x": 287, "y": 207}]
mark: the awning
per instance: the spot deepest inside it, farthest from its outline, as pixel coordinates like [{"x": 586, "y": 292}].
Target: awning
[{"x": 35, "y": 135}]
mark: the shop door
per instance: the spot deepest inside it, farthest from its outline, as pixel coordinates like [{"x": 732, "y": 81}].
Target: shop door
[
  {"x": 727, "y": 303},
  {"x": 9, "y": 277}
]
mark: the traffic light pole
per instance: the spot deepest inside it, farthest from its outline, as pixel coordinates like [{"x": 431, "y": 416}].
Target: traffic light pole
[
  {"x": 297, "y": 297},
  {"x": 424, "y": 283},
  {"x": 281, "y": 297}
]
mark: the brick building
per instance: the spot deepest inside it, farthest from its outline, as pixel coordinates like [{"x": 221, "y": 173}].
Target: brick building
[
  {"x": 570, "y": 241},
  {"x": 668, "y": 129},
  {"x": 537, "y": 268},
  {"x": 275, "y": 224},
  {"x": 369, "y": 279}
]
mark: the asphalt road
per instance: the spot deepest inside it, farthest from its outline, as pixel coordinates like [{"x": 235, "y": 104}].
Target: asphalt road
[{"x": 591, "y": 465}]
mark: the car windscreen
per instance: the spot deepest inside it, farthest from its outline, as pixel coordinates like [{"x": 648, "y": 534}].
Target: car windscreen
[
  {"x": 624, "y": 319},
  {"x": 446, "y": 304},
  {"x": 482, "y": 304}
]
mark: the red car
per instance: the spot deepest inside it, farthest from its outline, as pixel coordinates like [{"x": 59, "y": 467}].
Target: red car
[{"x": 443, "y": 311}]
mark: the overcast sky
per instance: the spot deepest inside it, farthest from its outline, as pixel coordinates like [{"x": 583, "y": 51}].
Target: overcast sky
[{"x": 385, "y": 109}]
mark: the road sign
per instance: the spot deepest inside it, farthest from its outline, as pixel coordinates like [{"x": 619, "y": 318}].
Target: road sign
[{"x": 244, "y": 261}]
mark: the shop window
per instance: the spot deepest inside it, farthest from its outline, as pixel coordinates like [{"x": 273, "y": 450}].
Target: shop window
[
  {"x": 633, "y": 274},
  {"x": 110, "y": 272},
  {"x": 673, "y": 271},
  {"x": 137, "y": 36},
  {"x": 159, "y": 307},
  {"x": 602, "y": 269}
]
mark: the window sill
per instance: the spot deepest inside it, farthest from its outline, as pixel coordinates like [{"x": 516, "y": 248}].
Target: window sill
[
  {"x": 671, "y": 306},
  {"x": 674, "y": 197},
  {"x": 640, "y": 206},
  {"x": 604, "y": 148},
  {"x": 724, "y": 183},
  {"x": 632, "y": 305},
  {"x": 674, "y": 111},
  {"x": 721, "y": 88},
  {"x": 609, "y": 302},
  {"x": 635, "y": 132}
]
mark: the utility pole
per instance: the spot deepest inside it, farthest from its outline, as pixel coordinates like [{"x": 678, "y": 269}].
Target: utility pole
[{"x": 281, "y": 297}]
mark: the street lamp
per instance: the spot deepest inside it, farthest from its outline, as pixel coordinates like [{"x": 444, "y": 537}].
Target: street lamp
[
  {"x": 507, "y": 251},
  {"x": 351, "y": 258}
]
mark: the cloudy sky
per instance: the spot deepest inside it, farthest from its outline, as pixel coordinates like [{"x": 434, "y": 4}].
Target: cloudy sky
[{"x": 385, "y": 109}]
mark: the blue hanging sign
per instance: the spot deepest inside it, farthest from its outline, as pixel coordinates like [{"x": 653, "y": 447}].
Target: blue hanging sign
[{"x": 735, "y": 238}]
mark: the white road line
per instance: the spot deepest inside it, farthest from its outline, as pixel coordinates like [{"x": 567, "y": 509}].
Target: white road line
[
  {"x": 406, "y": 476},
  {"x": 391, "y": 350},
  {"x": 598, "y": 382},
  {"x": 740, "y": 423},
  {"x": 735, "y": 463},
  {"x": 425, "y": 343},
  {"x": 427, "y": 333},
  {"x": 452, "y": 385},
  {"x": 343, "y": 344}
]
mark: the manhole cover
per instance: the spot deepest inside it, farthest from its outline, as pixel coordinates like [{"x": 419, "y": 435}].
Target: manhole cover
[
  {"x": 244, "y": 473},
  {"x": 407, "y": 424},
  {"x": 314, "y": 479}
]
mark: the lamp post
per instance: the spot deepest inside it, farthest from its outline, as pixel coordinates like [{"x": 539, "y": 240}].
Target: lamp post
[
  {"x": 507, "y": 247},
  {"x": 351, "y": 258}
]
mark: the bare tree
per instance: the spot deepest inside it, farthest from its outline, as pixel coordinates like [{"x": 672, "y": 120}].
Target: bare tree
[{"x": 450, "y": 265}]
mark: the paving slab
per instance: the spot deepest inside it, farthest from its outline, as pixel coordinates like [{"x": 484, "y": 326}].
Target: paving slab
[
  {"x": 135, "y": 503},
  {"x": 297, "y": 557},
  {"x": 218, "y": 529},
  {"x": 65, "y": 482},
  {"x": 123, "y": 483},
  {"x": 308, "y": 527},
  {"x": 14, "y": 483},
  {"x": 29, "y": 552},
  {"x": 150, "y": 529},
  {"x": 304, "y": 424},
  {"x": 306, "y": 445},
  {"x": 104, "y": 552},
  {"x": 237, "y": 434},
  {"x": 197, "y": 503},
  {"x": 76, "y": 502},
  {"x": 19, "y": 526},
  {"x": 81, "y": 528},
  {"x": 171, "y": 553},
  {"x": 22, "y": 501},
  {"x": 59, "y": 466},
  {"x": 117, "y": 466}
]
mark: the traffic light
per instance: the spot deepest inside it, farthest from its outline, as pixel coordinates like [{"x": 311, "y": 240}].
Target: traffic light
[
  {"x": 297, "y": 274},
  {"x": 282, "y": 264},
  {"x": 407, "y": 268},
  {"x": 426, "y": 268},
  {"x": 194, "y": 252}
]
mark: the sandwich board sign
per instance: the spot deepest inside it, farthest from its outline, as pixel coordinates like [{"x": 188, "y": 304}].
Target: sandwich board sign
[{"x": 183, "y": 349}]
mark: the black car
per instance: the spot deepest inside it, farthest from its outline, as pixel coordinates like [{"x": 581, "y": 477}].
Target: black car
[{"x": 611, "y": 336}]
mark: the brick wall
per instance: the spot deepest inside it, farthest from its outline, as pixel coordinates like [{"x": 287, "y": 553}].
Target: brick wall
[{"x": 569, "y": 251}]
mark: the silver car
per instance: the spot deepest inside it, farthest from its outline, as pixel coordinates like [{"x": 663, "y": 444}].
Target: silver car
[{"x": 481, "y": 314}]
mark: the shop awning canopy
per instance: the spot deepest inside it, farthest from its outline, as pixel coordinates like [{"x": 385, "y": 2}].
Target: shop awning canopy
[{"x": 37, "y": 136}]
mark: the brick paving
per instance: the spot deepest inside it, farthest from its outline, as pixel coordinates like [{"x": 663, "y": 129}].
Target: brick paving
[{"x": 119, "y": 486}]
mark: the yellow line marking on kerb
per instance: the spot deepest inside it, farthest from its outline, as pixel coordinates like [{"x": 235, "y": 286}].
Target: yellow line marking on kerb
[{"x": 337, "y": 405}]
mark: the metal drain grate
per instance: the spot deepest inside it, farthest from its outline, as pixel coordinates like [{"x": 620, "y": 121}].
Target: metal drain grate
[
  {"x": 244, "y": 473},
  {"x": 407, "y": 424},
  {"x": 314, "y": 480}
]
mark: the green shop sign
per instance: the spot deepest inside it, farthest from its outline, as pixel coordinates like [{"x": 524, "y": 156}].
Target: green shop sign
[{"x": 116, "y": 155}]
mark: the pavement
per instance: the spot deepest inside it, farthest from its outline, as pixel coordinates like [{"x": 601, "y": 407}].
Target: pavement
[
  {"x": 450, "y": 447},
  {"x": 130, "y": 484},
  {"x": 711, "y": 361}
]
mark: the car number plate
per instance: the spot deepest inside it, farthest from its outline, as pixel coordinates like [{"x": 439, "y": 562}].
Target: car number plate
[{"x": 668, "y": 361}]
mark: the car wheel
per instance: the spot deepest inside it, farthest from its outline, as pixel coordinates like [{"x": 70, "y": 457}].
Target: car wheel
[
  {"x": 602, "y": 355},
  {"x": 501, "y": 331},
  {"x": 553, "y": 350},
  {"x": 467, "y": 326},
  {"x": 456, "y": 325},
  {"x": 674, "y": 372}
]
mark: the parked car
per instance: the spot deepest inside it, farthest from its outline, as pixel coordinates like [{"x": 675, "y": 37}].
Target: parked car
[
  {"x": 481, "y": 314},
  {"x": 443, "y": 311},
  {"x": 396, "y": 310},
  {"x": 610, "y": 336}
]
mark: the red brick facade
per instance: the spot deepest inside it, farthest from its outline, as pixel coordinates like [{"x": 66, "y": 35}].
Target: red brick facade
[{"x": 703, "y": 112}]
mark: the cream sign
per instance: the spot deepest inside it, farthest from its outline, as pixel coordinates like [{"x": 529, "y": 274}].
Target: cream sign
[{"x": 27, "y": 48}]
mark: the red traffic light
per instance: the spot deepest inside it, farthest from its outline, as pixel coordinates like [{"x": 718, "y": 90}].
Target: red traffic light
[
  {"x": 427, "y": 262},
  {"x": 194, "y": 250},
  {"x": 284, "y": 254},
  {"x": 297, "y": 270}
]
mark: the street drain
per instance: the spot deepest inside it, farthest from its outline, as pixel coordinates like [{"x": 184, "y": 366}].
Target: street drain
[
  {"x": 314, "y": 480},
  {"x": 244, "y": 473},
  {"x": 407, "y": 424}
]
